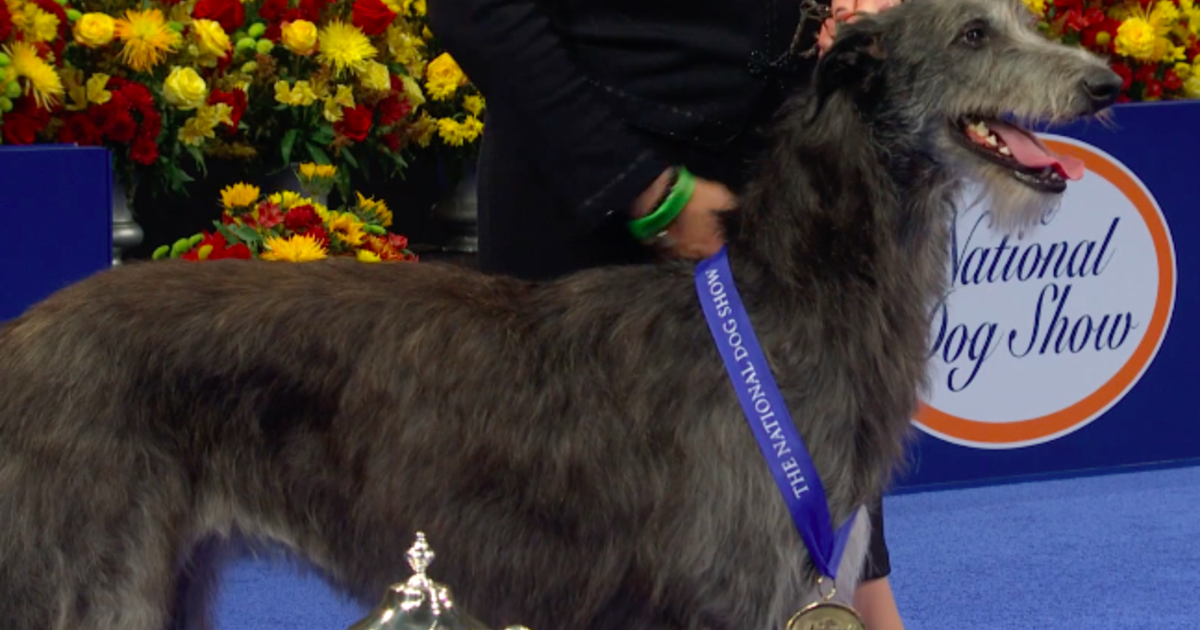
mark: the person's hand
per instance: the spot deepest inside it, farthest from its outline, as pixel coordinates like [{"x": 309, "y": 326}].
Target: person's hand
[
  {"x": 848, "y": 11},
  {"x": 696, "y": 233}
]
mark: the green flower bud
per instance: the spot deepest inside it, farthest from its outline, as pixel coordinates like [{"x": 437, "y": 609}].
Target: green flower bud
[
  {"x": 257, "y": 29},
  {"x": 265, "y": 46},
  {"x": 161, "y": 252},
  {"x": 73, "y": 15},
  {"x": 246, "y": 43},
  {"x": 12, "y": 90},
  {"x": 4, "y": 60},
  {"x": 6, "y": 105},
  {"x": 175, "y": 26}
]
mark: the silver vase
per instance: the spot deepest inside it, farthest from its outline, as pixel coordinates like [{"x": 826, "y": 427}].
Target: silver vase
[
  {"x": 457, "y": 216},
  {"x": 289, "y": 179},
  {"x": 126, "y": 233}
]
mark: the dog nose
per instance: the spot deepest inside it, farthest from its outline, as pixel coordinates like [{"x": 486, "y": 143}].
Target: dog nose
[{"x": 1103, "y": 87}]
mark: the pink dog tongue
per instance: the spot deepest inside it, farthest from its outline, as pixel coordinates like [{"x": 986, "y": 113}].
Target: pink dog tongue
[{"x": 1030, "y": 151}]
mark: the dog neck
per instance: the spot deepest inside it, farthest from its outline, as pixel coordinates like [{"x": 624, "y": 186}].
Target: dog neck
[{"x": 843, "y": 237}]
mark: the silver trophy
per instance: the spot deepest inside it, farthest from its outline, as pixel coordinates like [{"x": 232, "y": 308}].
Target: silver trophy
[{"x": 419, "y": 603}]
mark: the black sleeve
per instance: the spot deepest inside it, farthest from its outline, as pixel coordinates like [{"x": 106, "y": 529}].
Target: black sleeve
[
  {"x": 511, "y": 52},
  {"x": 879, "y": 563}
]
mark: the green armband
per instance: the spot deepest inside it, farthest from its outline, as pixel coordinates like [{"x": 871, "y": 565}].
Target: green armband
[{"x": 651, "y": 225}]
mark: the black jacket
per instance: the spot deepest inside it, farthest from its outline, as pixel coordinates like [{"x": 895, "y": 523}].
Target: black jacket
[{"x": 608, "y": 93}]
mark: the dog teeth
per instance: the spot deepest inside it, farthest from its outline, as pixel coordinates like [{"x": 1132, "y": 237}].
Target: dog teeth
[
  {"x": 993, "y": 140},
  {"x": 1005, "y": 151}
]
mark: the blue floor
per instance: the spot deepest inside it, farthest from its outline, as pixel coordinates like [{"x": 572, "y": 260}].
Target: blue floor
[{"x": 1112, "y": 552}]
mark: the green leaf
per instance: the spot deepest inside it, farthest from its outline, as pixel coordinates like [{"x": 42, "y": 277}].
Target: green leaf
[
  {"x": 246, "y": 234},
  {"x": 230, "y": 238},
  {"x": 349, "y": 157},
  {"x": 318, "y": 154},
  {"x": 289, "y": 140},
  {"x": 324, "y": 134}
]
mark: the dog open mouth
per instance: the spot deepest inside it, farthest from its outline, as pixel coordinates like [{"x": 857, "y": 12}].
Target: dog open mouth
[{"x": 1019, "y": 151}]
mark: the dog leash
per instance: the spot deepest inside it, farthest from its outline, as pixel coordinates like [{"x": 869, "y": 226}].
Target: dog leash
[{"x": 768, "y": 416}]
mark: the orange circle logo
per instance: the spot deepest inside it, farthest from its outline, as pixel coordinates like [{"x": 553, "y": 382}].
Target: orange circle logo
[{"x": 1043, "y": 333}]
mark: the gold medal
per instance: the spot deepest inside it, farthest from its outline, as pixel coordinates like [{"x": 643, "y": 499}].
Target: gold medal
[{"x": 826, "y": 615}]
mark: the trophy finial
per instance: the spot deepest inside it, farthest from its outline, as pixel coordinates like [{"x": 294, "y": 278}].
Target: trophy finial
[{"x": 420, "y": 555}]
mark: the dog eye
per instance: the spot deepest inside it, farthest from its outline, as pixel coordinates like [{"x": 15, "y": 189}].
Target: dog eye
[{"x": 974, "y": 34}]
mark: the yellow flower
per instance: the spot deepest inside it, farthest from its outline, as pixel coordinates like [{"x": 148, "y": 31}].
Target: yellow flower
[
  {"x": 405, "y": 48},
  {"x": 184, "y": 88},
  {"x": 1191, "y": 87},
  {"x": 414, "y": 8},
  {"x": 423, "y": 128},
  {"x": 72, "y": 80},
  {"x": 40, "y": 77},
  {"x": 335, "y": 103},
  {"x": 311, "y": 170},
  {"x": 473, "y": 104},
  {"x": 35, "y": 24},
  {"x": 95, "y": 89},
  {"x": 201, "y": 126},
  {"x": 443, "y": 77},
  {"x": 472, "y": 128},
  {"x": 1037, "y": 6},
  {"x": 299, "y": 37},
  {"x": 298, "y": 248},
  {"x": 343, "y": 46},
  {"x": 299, "y": 95},
  {"x": 450, "y": 132},
  {"x": 147, "y": 38},
  {"x": 367, "y": 256},
  {"x": 1183, "y": 70},
  {"x": 347, "y": 228},
  {"x": 94, "y": 29},
  {"x": 376, "y": 208},
  {"x": 288, "y": 199},
  {"x": 1136, "y": 38},
  {"x": 239, "y": 195},
  {"x": 412, "y": 92},
  {"x": 211, "y": 38},
  {"x": 374, "y": 76}
]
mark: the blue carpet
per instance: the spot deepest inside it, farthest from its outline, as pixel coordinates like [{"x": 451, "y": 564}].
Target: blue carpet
[{"x": 1110, "y": 552}]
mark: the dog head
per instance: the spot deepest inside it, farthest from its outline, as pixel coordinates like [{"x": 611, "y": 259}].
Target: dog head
[{"x": 961, "y": 80}]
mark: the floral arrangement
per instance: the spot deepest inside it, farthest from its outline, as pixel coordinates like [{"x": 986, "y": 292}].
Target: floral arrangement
[
  {"x": 1153, "y": 44},
  {"x": 267, "y": 82},
  {"x": 294, "y": 227}
]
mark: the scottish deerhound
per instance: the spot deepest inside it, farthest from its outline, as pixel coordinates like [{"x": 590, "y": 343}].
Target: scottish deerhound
[{"x": 573, "y": 449}]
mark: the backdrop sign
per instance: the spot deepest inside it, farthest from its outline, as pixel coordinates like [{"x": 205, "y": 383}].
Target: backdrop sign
[{"x": 1039, "y": 350}]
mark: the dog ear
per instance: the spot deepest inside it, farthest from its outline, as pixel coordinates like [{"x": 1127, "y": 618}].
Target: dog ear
[{"x": 852, "y": 60}]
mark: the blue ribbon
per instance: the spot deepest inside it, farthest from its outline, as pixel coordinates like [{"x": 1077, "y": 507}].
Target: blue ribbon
[{"x": 768, "y": 416}]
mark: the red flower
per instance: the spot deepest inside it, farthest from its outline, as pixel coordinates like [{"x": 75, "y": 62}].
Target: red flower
[
  {"x": 236, "y": 100},
  {"x": 1145, "y": 73},
  {"x": 220, "y": 249},
  {"x": 228, "y": 13},
  {"x": 371, "y": 16},
  {"x": 1154, "y": 89},
  {"x": 144, "y": 150},
  {"x": 392, "y": 141},
  {"x": 311, "y": 10},
  {"x": 397, "y": 241},
  {"x": 5, "y": 21},
  {"x": 121, "y": 128},
  {"x": 269, "y": 215},
  {"x": 22, "y": 125},
  {"x": 273, "y": 10},
  {"x": 319, "y": 234},
  {"x": 151, "y": 126},
  {"x": 1172, "y": 82},
  {"x": 136, "y": 95},
  {"x": 392, "y": 110},
  {"x": 355, "y": 123},
  {"x": 301, "y": 218},
  {"x": 79, "y": 129}
]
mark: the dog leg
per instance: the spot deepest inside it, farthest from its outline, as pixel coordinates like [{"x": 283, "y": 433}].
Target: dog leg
[
  {"x": 197, "y": 588},
  {"x": 87, "y": 540}
]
